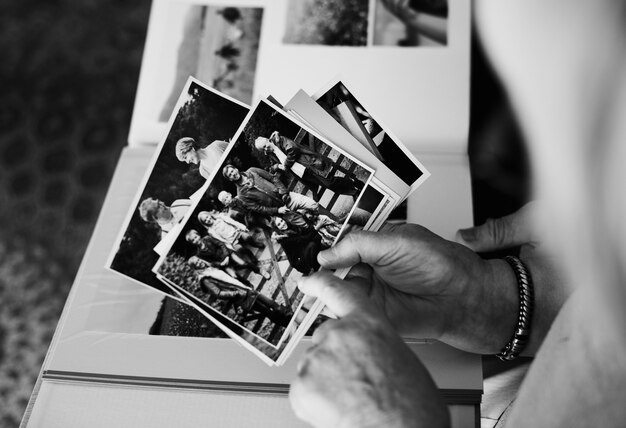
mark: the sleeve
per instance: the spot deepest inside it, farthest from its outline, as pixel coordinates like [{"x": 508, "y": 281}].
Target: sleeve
[
  {"x": 292, "y": 152},
  {"x": 261, "y": 173},
  {"x": 215, "y": 236},
  {"x": 209, "y": 287},
  {"x": 234, "y": 222},
  {"x": 226, "y": 294},
  {"x": 273, "y": 178},
  {"x": 323, "y": 220},
  {"x": 280, "y": 186},
  {"x": 252, "y": 205}
]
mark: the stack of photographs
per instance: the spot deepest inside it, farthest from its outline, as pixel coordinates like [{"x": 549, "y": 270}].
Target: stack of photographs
[{"x": 238, "y": 202}]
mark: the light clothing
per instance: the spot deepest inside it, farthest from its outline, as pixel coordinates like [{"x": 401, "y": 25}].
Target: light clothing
[
  {"x": 210, "y": 157},
  {"x": 226, "y": 230},
  {"x": 298, "y": 202}
]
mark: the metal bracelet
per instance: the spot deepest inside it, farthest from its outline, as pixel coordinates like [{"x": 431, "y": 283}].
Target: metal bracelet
[{"x": 526, "y": 305}]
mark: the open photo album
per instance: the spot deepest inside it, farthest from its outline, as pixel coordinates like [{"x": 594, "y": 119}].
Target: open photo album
[
  {"x": 274, "y": 140},
  {"x": 262, "y": 132},
  {"x": 260, "y": 136},
  {"x": 239, "y": 201}
]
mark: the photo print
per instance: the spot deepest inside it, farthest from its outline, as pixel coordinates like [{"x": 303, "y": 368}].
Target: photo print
[
  {"x": 280, "y": 196},
  {"x": 327, "y": 22},
  {"x": 403, "y": 23},
  {"x": 343, "y": 106},
  {"x": 199, "y": 134},
  {"x": 218, "y": 45},
  {"x": 410, "y": 23}
]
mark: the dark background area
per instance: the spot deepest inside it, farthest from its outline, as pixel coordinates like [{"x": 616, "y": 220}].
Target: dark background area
[{"x": 68, "y": 76}]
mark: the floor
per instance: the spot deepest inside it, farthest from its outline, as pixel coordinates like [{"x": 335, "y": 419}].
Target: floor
[{"x": 67, "y": 86}]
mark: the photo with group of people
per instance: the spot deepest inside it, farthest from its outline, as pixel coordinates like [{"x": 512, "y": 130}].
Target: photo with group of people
[{"x": 279, "y": 197}]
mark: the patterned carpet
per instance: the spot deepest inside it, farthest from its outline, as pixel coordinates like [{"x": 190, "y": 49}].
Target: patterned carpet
[{"x": 67, "y": 84}]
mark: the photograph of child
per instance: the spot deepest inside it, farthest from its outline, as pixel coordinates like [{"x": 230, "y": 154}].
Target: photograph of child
[
  {"x": 279, "y": 197},
  {"x": 198, "y": 136}
]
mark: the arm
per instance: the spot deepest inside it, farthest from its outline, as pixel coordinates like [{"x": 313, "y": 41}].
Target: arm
[
  {"x": 324, "y": 220},
  {"x": 234, "y": 222},
  {"x": 218, "y": 238},
  {"x": 254, "y": 206},
  {"x": 272, "y": 178},
  {"x": 292, "y": 151},
  {"x": 229, "y": 294},
  {"x": 430, "y": 26},
  {"x": 210, "y": 288}
]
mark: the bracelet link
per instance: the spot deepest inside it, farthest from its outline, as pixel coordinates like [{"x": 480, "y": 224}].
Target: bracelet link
[{"x": 521, "y": 334}]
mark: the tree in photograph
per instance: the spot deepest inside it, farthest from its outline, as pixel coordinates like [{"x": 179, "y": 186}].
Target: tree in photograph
[{"x": 329, "y": 22}]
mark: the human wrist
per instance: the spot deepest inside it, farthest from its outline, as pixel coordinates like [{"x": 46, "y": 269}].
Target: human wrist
[
  {"x": 486, "y": 312},
  {"x": 526, "y": 304},
  {"x": 501, "y": 300}
]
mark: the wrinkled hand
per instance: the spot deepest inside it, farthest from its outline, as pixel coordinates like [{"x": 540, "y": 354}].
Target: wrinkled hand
[
  {"x": 519, "y": 230},
  {"x": 359, "y": 372},
  {"x": 432, "y": 288},
  {"x": 500, "y": 233}
]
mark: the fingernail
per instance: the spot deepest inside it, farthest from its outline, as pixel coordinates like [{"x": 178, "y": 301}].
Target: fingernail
[
  {"x": 322, "y": 258},
  {"x": 300, "y": 284},
  {"x": 468, "y": 235}
]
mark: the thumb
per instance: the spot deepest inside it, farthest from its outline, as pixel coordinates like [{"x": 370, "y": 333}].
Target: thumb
[
  {"x": 500, "y": 233},
  {"x": 341, "y": 297},
  {"x": 356, "y": 247}
]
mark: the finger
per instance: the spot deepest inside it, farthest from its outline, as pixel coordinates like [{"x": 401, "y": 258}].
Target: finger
[
  {"x": 320, "y": 332},
  {"x": 310, "y": 404},
  {"x": 500, "y": 233},
  {"x": 388, "y": 227},
  {"x": 359, "y": 271},
  {"x": 356, "y": 247},
  {"x": 341, "y": 297}
]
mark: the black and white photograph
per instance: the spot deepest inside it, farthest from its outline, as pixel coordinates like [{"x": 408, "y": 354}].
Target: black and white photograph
[
  {"x": 279, "y": 197},
  {"x": 199, "y": 135},
  {"x": 327, "y": 22},
  {"x": 410, "y": 23},
  {"x": 399, "y": 23},
  {"x": 219, "y": 46},
  {"x": 214, "y": 42},
  {"x": 342, "y": 105}
]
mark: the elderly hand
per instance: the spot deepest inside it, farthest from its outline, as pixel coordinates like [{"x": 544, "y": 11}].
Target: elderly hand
[
  {"x": 517, "y": 230},
  {"x": 359, "y": 372},
  {"x": 433, "y": 288}
]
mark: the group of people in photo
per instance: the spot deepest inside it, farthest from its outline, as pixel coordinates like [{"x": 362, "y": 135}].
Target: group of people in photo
[{"x": 227, "y": 242}]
